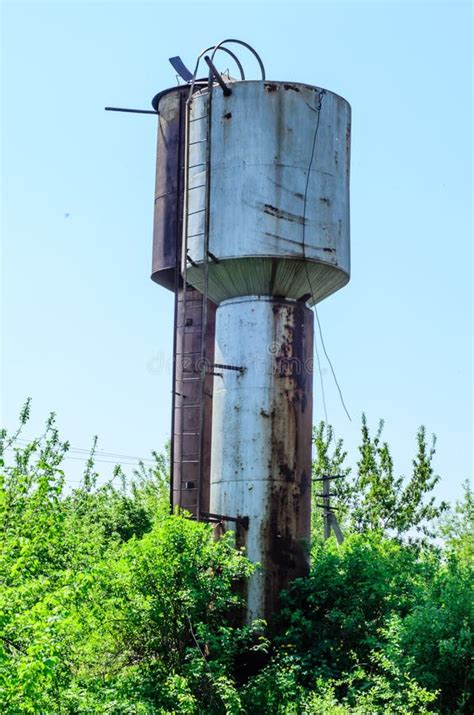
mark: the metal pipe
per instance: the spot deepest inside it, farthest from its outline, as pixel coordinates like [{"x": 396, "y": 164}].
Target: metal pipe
[
  {"x": 131, "y": 111},
  {"x": 219, "y": 46},
  {"x": 214, "y": 71}
]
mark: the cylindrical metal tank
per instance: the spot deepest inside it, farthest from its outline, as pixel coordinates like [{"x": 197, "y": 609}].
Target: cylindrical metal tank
[
  {"x": 261, "y": 442},
  {"x": 169, "y": 189},
  {"x": 278, "y": 191}
]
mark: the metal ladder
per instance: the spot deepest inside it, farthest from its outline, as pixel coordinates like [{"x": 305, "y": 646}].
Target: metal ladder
[
  {"x": 191, "y": 440},
  {"x": 190, "y": 399}
]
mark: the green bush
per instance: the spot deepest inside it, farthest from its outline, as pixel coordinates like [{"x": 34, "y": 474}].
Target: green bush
[{"x": 109, "y": 604}]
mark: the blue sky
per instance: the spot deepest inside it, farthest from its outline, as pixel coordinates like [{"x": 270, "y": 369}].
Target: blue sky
[{"x": 85, "y": 331}]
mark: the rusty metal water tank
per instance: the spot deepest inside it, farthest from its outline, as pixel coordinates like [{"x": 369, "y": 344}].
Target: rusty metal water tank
[
  {"x": 265, "y": 236},
  {"x": 278, "y": 154},
  {"x": 257, "y": 223}
]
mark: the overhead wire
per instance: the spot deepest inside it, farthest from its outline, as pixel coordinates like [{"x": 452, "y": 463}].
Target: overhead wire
[
  {"x": 98, "y": 454},
  {"x": 331, "y": 366},
  {"x": 98, "y": 461},
  {"x": 321, "y": 381}
]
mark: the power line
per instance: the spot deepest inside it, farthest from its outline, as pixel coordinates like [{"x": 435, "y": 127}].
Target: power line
[
  {"x": 100, "y": 453},
  {"x": 321, "y": 381},
  {"x": 85, "y": 459},
  {"x": 103, "y": 461}
]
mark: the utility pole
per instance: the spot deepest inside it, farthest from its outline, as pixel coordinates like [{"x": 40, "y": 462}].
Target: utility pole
[
  {"x": 329, "y": 517},
  {"x": 327, "y": 508}
]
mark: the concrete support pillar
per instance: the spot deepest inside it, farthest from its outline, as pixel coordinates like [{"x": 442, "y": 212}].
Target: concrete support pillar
[{"x": 261, "y": 440}]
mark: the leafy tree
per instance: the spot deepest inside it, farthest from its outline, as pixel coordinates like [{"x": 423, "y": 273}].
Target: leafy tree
[
  {"x": 457, "y": 527},
  {"x": 342, "y": 606},
  {"x": 374, "y": 498}
]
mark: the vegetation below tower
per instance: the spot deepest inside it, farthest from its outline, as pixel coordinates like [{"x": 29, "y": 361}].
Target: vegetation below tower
[{"x": 110, "y": 605}]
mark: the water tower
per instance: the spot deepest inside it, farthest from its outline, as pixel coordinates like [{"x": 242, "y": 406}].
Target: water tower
[{"x": 251, "y": 230}]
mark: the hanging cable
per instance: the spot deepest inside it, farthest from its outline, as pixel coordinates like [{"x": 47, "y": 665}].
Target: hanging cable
[
  {"x": 330, "y": 365},
  {"x": 321, "y": 381}
]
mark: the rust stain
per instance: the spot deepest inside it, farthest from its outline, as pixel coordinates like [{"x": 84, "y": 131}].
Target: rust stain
[
  {"x": 287, "y": 473},
  {"x": 348, "y": 148},
  {"x": 287, "y": 528},
  {"x": 305, "y": 484},
  {"x": 291, "y": 86},
  {"x": 348, "y": 138},
  {"x": 271, "y": 87},
  {"x": 287, "y": 189},
  {"x": 280, "y": 213},
  {"x": 227, "y": 115}
]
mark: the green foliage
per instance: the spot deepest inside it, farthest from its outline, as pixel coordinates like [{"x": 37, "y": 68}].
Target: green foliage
[
  {"x": 379, "y": 688},
  {"x": 402, "y": 609},
  {"x": 374, "y": 498},
  {"x": 340, "y": 608},
  {"x": 457, "y": 528},
  {"x": 109, "y": 604}
]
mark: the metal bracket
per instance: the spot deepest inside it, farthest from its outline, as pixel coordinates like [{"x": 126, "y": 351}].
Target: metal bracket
[
  {"x": 218, "y": 518},
  {"x": 236, "y": 368},
  {"x": 328, "y": 508},
  {"x": 328, "y": 478},
  {"x": 213, "y": 258},
  {"x": 193, "y": 263}
]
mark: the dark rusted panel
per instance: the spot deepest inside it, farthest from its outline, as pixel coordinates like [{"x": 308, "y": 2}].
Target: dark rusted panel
[
  {"x": 286, "y": 535},
  {"x": 169, "y": 185}
]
